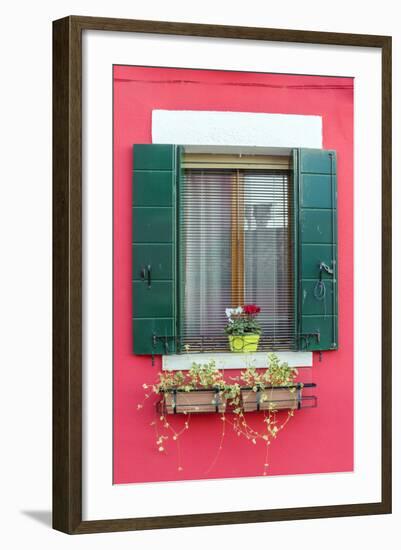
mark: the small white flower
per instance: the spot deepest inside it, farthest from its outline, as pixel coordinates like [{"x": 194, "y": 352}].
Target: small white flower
[{"x": 233, "y": 311}]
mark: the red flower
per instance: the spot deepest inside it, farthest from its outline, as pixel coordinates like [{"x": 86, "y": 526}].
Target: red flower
[{"x": 251, "y": 309}]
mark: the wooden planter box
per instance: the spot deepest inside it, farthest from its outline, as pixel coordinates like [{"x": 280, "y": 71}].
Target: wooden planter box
[
  {"x": 195, "y": 401},
  {"x": 211, "y": 401},
  {"x": 271, "y": 399}
]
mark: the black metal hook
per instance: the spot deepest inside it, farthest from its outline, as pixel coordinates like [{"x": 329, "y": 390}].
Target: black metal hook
[{"x": 324, "y": 267}]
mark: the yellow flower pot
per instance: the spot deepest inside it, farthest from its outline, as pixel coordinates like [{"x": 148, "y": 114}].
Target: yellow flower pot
[{"x": 244, "y": 344}]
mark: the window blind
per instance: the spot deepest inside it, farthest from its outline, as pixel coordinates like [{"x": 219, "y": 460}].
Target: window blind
[{"x": 235, "y": 247}]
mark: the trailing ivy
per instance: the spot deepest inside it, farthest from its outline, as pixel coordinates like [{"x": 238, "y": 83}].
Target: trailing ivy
[{"x": 208, "y": 376}]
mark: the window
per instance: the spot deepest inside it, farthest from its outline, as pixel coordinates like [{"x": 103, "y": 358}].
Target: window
[
  {"x": 211, "y": 232},
  {"x": 235, "y": 229}
]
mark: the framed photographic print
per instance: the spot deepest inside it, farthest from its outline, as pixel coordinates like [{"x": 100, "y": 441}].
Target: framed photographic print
[{"x": 222, "y": 280}]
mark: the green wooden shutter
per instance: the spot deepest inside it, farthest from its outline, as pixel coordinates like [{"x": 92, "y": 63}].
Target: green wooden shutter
[
  {"x": 154, "y": 249},
  {"x": 315, "y": 195}
]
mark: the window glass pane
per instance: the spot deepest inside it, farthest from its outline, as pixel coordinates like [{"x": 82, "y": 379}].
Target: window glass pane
[
  {"x": 205, "y": 222},
  {"x": 268, "y": 269}
]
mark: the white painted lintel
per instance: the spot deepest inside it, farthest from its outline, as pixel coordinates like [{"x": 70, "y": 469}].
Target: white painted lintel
[{"x": 223, "y": 128}]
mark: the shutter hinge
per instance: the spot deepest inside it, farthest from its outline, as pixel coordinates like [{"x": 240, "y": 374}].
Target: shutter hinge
[
  {"x": 306, "y": 337},
  {"x": 165, "y": 341}
]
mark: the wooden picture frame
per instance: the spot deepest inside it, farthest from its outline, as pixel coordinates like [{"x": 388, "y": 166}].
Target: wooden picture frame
[{"x": 67, "y": 273}]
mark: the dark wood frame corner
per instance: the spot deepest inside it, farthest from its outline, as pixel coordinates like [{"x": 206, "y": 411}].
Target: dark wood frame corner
[{"x": 67, "y": 279}]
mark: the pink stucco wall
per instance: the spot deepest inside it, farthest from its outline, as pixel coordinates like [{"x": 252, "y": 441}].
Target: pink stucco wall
[{"x": 316, "y": 440}]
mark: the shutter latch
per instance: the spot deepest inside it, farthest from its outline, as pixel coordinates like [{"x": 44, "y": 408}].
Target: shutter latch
[
  {"x": 326, "y": 268},
  {"x": 146, "y": 274}
]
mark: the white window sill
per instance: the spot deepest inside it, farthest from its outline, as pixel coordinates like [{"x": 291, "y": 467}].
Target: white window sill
[{"x": 225, "y": 361}]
